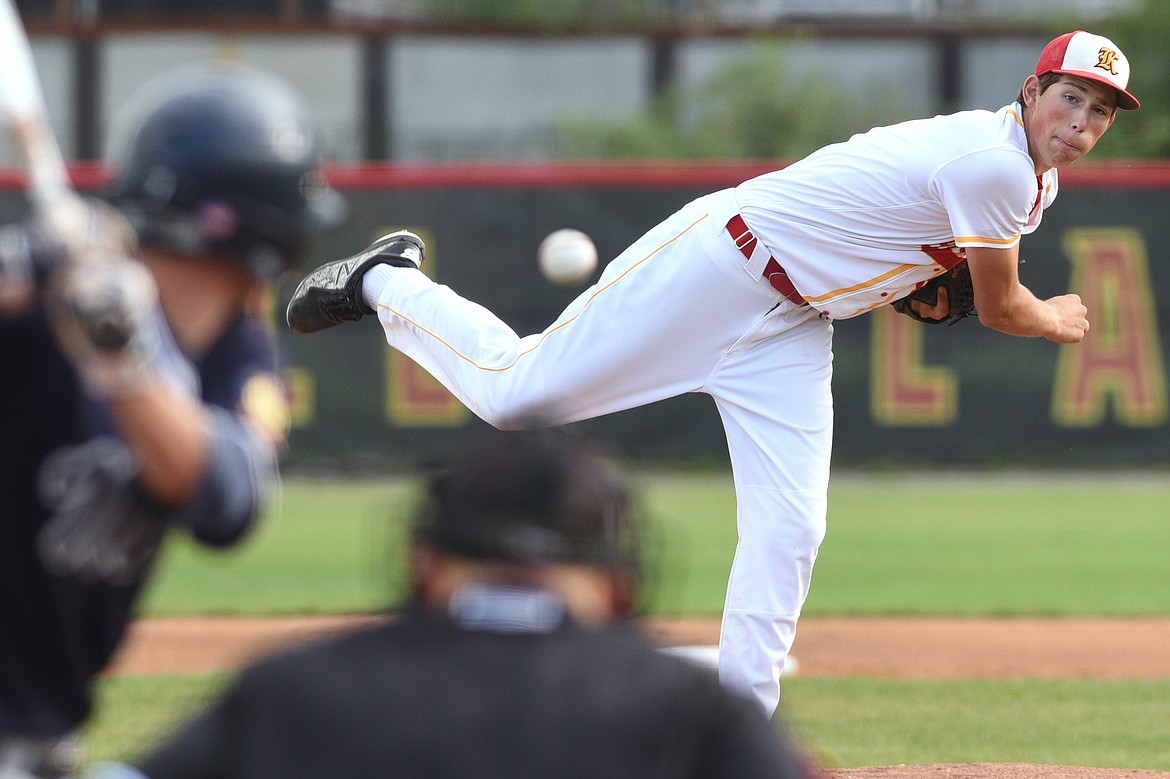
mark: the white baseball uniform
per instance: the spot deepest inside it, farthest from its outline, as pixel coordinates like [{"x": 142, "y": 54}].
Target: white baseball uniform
[{"x": 701, "y": 303}]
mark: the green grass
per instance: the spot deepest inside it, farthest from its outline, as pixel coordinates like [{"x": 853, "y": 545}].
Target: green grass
[
  {"x": 132, "y": 713},
  {"x": 927, "y": 545},
  {"x": 327, "y": 548},
  {"x": 843, "y": 723},
  {"x": 905, "y": 544},
  {"x": 853, "y": 722},
  {"x": 913, "y": 545}
]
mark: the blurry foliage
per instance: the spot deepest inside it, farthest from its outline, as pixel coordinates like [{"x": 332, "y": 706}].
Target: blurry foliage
[
  {"x": 753, "y": 108},
  {"x": 537, "y": 13},
  {"x": 1142, "y": 36}
]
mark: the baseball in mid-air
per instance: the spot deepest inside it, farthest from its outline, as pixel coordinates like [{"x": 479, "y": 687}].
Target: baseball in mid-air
[{"x": 567, "y": 257}]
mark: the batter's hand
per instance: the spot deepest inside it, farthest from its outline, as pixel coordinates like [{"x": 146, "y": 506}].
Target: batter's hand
[
  {"x": 31, "y": 253},
  {"x": 1072, "y": 319},
  {"x": 101, "y": 313}
]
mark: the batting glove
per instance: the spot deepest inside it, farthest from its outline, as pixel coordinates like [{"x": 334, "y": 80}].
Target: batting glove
[{"x": 102, "y": 312}]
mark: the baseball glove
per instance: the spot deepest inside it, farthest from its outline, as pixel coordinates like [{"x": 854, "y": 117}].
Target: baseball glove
[{"x": 960, "y": 296}]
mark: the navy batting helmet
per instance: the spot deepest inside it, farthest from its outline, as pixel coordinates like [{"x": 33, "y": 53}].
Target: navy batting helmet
[{"x": 221, "y": 161}]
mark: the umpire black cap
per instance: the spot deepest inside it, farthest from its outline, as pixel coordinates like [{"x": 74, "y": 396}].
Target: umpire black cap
[{"x": 536, "y": 496}]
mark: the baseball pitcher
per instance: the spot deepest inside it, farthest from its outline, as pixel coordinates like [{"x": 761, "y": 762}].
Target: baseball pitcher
[{"x": 735, "y": 296}]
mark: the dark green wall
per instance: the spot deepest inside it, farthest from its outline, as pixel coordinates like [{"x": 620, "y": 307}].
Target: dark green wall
[
  {"x": 1001, "y": 401},
  {"x": 998, "y": 410}
]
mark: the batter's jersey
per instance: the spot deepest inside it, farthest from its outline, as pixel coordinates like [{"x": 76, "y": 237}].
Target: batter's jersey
[
  {"x": 58, "y": 632},
  {"x": 423, "y": 697},
  {"x": 865, "y": 222}
]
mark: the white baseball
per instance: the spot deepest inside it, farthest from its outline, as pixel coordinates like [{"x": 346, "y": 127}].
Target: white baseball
[{"x": 567, "y": 257}]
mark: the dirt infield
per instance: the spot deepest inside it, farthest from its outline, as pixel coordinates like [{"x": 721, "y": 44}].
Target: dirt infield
[
  {"x": 991, "y": 771},
  {"x": 893, "y": 648}
]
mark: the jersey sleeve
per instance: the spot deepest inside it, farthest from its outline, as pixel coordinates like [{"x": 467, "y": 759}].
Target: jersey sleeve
[
  {"x": 988, "y": 196},
  {"x": 242, "y": 475},
  {"x": 247, "y": 423}
]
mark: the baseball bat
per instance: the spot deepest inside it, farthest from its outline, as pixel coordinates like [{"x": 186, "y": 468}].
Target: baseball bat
[{"x": 22, "y": 106}]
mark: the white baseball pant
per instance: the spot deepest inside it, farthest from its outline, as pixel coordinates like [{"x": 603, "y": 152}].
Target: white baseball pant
[{"x": 681, "y": 310}]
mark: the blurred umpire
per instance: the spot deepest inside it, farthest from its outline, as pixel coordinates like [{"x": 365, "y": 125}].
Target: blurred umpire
[
  {"x": 138, "y": 391},
  {"x": 512, "y": 658}
]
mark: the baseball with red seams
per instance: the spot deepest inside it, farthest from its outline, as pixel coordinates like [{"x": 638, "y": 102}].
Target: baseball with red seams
[{"x": 567, "y": 257}]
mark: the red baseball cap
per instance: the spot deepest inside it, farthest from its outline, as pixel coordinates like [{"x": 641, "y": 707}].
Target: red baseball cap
[{"x": 1094, "y": 57}]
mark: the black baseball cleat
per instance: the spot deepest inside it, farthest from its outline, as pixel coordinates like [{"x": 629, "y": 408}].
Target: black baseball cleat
[{"x": 332, "y": 294}]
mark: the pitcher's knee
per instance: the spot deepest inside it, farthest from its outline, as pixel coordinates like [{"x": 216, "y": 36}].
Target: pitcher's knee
[{"x": 522, "y": 413}]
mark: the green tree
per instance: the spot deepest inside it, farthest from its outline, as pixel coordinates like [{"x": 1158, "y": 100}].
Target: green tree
[
  {"x": 1142, "y": 36},
  {"x": 752, "y": 108},
  {"x": 539, "y": 14}
]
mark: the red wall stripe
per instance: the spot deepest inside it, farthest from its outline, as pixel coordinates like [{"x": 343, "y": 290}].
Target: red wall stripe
[{"x": 1110, "y": 174}]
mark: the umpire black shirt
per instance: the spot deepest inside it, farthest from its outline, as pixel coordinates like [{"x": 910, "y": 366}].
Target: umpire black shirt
[{"x": 423, "y": 697}]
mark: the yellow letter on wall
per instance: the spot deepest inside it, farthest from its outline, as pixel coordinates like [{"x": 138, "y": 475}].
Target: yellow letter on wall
[
  {"x": 903, "y": 392},
  {"x": 414, "y": 398},
  {"x": 1121, "y": 356}
]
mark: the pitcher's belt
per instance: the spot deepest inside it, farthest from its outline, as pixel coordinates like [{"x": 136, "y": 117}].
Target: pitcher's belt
[{"x": 773, "y": 272}]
